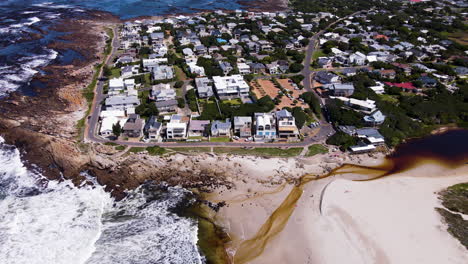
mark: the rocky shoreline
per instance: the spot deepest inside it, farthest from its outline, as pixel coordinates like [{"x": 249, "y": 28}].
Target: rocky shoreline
[{"x": 43, "y": 127}]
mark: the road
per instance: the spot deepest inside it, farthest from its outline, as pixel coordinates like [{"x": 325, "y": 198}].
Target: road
[
  {"x": 99, "y": 96},
  {"x": 313, "y": 43}
]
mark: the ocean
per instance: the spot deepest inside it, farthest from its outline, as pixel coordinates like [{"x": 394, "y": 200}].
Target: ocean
[
  {"x": 22, "y": 55},
  {"x": 53, "y": 222}
]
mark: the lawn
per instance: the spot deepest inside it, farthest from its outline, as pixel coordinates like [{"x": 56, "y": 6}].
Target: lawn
[
  {"x": 156, "y": 151},
  {"x": 316, "y": 149},
  {"x": 220, "y": 139},
  {"x": 180, "y": 75},
  {"x": 120, "y": 147},
  {"x": 136, "y": 149},
  {"x": 192, "y": 150},
  {"x": 264, "y": 152},
  {"x": 317, "y": 54},
  {"x": 389, "y": 98},
  {"x": 115, "y": 73},
  {"x": 236, "y": 101}
]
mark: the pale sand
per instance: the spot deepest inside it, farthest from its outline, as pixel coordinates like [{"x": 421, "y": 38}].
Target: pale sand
[{"x": 390, "y": 220}]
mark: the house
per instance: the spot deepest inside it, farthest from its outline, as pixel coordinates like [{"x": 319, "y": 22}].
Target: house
[
  {"x": 357, "y": 58},
  {"x": 130, "y": 84},
  {"x": 243, "y": 126},
  {"x": 348, "y": 72},
  {"x": 162, "y": 72},
  {"x": 265, "y": 127},
  {"x": 428, "y": 81},
  {"x": 406, "y": 87},
  {"x": 404, "y": 67},
  {"x": 108, "y": 119},
  {"x": 157, "y": 37},
  {"x": 116, "y": 86},
  {"x": 370, "y": 135},
  {"x": 257, "y": 68},
  {"x": 389, "y": 74},
  {"x": 187, "y": 52},
  {"x": 151, "y": 63},
  {"x": 231, "y": 86},
  {"x": 226, "y": 67},
  {"x": 378, "y": 88},
  {"x": 195, "y": 69},
  {"x": 375, "y": 118},
  {"x": 342, "y": 89},
  {"x": 134, "y": 126},
  {"x": 325, "y": 77},
  {"x": 129, "y": 71},
  {"x": 461, "y": 71},
  {"x": 107, "y": 123},
  {"x": 287, "y": 128},
  {"x": 153, "y": 128},
  {"x": 325, "y": 62},
  {"x": 177, "y": 127},
  {"x": 243, "y": 68},
  {"x": 362, "y": 148},
  {"x": 162, "y": 92},
  {"x": 198, "y": 128},
  {"x": 166, "y": 106},
  {"x": 278, "y": 67},
  {"x": 122, "y": 102},
  {"x": 220, "y": 128},
  {"x": 204, "y": 87},
  {"x": 366, "y": 106}
]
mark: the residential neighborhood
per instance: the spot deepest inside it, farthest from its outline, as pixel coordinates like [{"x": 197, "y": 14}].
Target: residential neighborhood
[{"x": 240, "y": 77}]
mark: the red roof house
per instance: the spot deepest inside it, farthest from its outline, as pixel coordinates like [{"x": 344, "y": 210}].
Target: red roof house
[{"x": 407, "y": 86}]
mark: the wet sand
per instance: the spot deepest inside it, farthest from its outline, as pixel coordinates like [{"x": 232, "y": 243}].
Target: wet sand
[{"x": 335, "y": 220}]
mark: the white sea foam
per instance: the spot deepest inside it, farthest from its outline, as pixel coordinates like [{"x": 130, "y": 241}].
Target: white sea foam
[
  {"x": 59, "y": 223},
  {"x": 7, "y": 87},
  {"x": 29, "y": 12},
  {"x": 12, "y": 78}
]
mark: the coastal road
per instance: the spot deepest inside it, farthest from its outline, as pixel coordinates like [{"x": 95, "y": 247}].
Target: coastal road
[{"x": 99, "y": 96}]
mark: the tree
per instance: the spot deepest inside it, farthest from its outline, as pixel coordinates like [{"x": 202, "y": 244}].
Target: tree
[
  {"x": 178, "y": 84},
  {"x": 342, "y": 139},
  {"x": 180, "y": 102},
  {"x": 295, "y": 67},
  {"x": 106, "y": 71},
  {"x": 117, "y": 129},
  {"x": 300, "y": 116}
]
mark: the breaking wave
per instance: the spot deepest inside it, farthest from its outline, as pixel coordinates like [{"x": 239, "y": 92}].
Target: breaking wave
[{"x": 45, "y": 221}]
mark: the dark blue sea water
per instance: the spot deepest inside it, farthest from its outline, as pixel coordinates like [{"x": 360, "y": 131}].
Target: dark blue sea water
[{"x": 23, "y": 54}]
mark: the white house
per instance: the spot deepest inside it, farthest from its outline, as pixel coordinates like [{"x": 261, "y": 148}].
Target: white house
[
  {"x": 363, "y": 105},
  {"x": 195, "y": 69},
  {"x": 265, "y": 127},
  {"x": 162, "y": 92},
  {"x": 177, "y": 127},
  {"x": 378, "y": 88},
  {"x": 357, "y": 58},
  {"x": 231, "y": 86},
  {"x": 116, "y": 85},
  {"x": 243, "y": 68}
]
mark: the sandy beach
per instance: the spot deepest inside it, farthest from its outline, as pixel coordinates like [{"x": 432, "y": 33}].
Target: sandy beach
[{"x": 389, "y": 220}]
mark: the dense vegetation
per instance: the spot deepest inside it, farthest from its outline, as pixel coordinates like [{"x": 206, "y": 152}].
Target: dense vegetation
[{"x": 408, "y": 115}]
